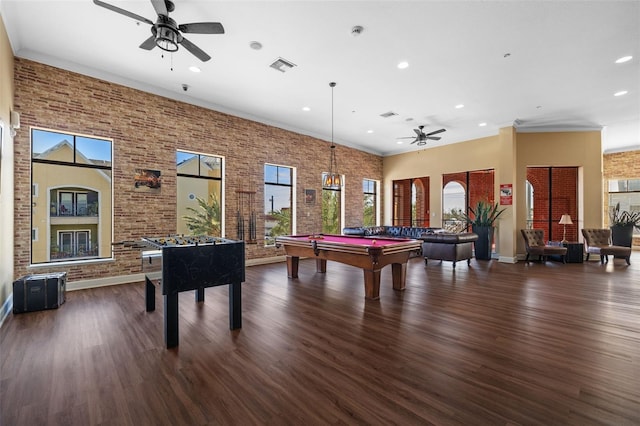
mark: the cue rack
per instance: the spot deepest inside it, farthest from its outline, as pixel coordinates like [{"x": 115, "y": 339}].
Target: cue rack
[{"x": 245, "y": 206}]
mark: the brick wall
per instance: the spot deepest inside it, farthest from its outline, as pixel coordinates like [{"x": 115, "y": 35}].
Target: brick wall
[{"x": 147, "y": 129}]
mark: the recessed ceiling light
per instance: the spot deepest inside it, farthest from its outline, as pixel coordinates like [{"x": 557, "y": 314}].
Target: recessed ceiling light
[
  {"x": 369, "y": 131},
  {"x": 623, "y": 59},
  {"x": 193, "y": 68},
  {"x": 482, "y": 124},
  {"x": 399, "y": 142},
  {"x": 255, "y": 45},
  {"x": 306, "y": 109},
  {"x": 459, "y": 106},
  {"x": 402, "y": 65},
  {"x": 620, "y": 93}
]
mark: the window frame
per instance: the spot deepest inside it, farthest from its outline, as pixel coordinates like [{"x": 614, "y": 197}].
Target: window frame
[
  {"x": 376, "y": 200},
  {"x": 341, "y": 200},
  {"x": 107, "y": 167},
  {"x": 292, "y": 190},
  {"x": 200, "y": 175}
]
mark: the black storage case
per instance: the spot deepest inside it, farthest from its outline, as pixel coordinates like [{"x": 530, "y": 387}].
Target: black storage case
[{"x": 36, "y": 292}]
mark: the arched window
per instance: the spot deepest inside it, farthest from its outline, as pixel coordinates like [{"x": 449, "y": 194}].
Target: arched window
[{"x": 453, "y": 206}]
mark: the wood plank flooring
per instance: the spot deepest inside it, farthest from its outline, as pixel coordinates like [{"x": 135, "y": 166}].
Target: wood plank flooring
[{"x": 492, "y": 343}]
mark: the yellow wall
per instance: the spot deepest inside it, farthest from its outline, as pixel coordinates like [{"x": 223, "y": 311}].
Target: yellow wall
[
  {"x": 477, "y": 154},
  {"x": 509, "y": 154},
  {"x": 6, "y": 170}
]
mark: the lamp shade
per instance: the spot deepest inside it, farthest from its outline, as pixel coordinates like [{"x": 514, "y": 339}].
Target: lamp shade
[{"x": 565, "y": 220}]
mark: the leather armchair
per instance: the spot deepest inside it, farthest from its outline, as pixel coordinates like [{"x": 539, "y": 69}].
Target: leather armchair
[
  {"x": 534, "y": 244},
  {"x": 598, "y": 241}
]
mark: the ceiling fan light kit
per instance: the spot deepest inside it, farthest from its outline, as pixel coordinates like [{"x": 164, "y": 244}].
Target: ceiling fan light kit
[
  {"x": 166, "y": 38},
  {"x": 166, "y": 33}
]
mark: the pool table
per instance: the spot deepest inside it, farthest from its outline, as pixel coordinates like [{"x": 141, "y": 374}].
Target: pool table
[{"x": 370, "y": 254}]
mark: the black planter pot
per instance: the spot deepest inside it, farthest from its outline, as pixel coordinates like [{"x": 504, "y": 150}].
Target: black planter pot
[
  {"x": 622, "y": 235},
  {"x": 483, "y": 244}
]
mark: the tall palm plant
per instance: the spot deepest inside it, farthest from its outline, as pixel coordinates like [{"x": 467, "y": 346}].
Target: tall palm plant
[
  {"x": 206, "y": 218},
  {"x": 484, "y": 214}
]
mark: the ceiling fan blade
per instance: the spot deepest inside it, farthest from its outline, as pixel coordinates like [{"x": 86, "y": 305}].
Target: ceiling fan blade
[
  {"x": 149, "y": 43},
  {"x": 202, "y": 28},
  {"x": 434, "y": 138},
  {"x": 160, "y": 7},
  {"x": 195, "y": 50},
  {"x": 416, "y": 140},
  {"x": 435, "y": 132},
  {"x": 408, "y": 137},
  {"x": 122, "y": 11},
  {"x": 418, "y": 132}
]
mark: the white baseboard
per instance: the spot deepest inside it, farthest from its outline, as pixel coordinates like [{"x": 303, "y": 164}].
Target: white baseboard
[
  {"x": 6, "y": 308},
  {"x": 266, "y": 260},
  {"x": 508, "y": 259},
  {"x": 104, "y": 282}
]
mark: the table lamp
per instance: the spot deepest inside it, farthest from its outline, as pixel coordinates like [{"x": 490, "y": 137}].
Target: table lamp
[{"x": 564, "y": 221}]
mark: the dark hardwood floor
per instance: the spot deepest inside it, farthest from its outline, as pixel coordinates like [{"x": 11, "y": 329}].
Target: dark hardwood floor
[{"x": 493, "y": 343}]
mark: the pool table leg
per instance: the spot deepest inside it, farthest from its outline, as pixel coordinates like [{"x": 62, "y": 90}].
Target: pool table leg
[
  {"x": 399, "y": 274},
  {"x": 372, "y": 284},
  {"x": 292, "y": 266},
  {"x": 321, "y": 265}
]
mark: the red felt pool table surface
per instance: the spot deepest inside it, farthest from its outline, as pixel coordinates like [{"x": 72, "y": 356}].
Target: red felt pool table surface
[{"x": 370, "y": 254}]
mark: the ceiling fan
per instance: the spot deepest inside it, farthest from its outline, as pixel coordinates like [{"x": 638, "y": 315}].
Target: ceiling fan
[
  {"x": 166, "y": 33},
  {"x": 423, "y": 137}
]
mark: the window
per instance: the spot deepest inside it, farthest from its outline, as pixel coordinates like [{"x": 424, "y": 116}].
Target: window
[
  {"x": 370, "y": 213},
  {"x": 75, "y": 173},
  {"x": 627, "y": 193},
  {"x": 453, "y": 206},
  {"x": 200, "y": 206},
  {"x": 552, "y": 192},
  {"x": 331, "y": 210},
  {"x": 462, "y": 190},
  {"x": 278, "y": 206},
  {"x": 411, "y": 202}
]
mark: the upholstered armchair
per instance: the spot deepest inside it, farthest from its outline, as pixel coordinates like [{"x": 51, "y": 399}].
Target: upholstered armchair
[
  {"x": 598, "y": 241},
  {"x": 535, "y": 245}
]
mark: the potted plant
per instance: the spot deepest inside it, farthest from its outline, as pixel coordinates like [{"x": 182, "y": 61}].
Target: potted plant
[
  {"x": 482, "y": 220},
  {"x": 622, "y": 224}
]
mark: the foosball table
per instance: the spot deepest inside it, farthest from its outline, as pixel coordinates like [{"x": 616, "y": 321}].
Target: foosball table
[{"x": 193, "y": 263}]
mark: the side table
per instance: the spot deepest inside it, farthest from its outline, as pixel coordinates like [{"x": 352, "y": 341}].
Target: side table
[{"x": 575, "y": 250}]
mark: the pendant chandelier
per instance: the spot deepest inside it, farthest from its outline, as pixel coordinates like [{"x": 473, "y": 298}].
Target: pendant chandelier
[{"x": 332, "y": 180}]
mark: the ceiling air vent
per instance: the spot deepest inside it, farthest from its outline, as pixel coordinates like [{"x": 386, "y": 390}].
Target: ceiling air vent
[
  {"x": 282, "y": 65},
  {"x": 388, "y": 114}
]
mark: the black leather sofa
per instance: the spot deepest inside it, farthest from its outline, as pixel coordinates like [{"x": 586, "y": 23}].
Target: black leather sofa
[
  {"x": 448, "y": 246},
  {"x": 390, "y": 231}
]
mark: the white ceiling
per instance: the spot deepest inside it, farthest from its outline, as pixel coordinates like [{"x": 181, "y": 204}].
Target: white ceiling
[{"x": 559, "y": 74}]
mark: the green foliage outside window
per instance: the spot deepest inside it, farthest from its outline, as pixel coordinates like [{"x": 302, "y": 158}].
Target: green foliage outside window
[
  {"x": 206, "y": 218},
  {"x": 369, "y": 217},
  {"x": 454, "y": 220},
  {"x": 282, "y": 226},
  {"x": 330, "y": 212}
]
